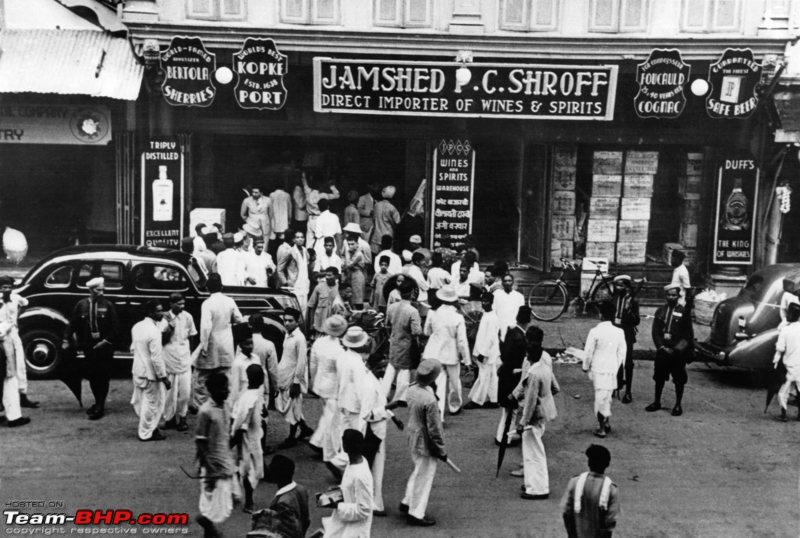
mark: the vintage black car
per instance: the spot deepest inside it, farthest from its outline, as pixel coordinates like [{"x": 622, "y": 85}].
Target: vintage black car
[
  {"x": 133, "y": 275},
  {"x": 744, "y": 328}
]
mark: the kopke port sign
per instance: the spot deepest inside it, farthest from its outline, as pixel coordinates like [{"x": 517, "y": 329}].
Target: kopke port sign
[
  {"x": 260, "y": 68},
  {"x": 522, "y": 91},
  {"x": 453, "y": 180}
]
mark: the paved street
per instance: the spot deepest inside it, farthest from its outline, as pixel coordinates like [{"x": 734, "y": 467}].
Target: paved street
[{"x": 711, "y": 467}]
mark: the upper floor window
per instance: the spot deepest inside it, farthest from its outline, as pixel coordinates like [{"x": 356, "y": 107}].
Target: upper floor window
[
  {"x": 527, "y": 15},
  {"x": 310, "y": 11},
  {"x": 618, "y": 16},
  {"x": 216, "y": 10},
  {"x": 711, "y": 15},
  {"x": 403, "y": 13}
]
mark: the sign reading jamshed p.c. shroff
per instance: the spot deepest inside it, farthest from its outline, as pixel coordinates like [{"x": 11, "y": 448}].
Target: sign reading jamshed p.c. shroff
[{"x": 522, "y": 91}]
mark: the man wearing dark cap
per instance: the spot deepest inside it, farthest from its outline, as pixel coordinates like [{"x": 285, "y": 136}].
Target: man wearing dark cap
[
  {"x": 426, "y": 440},
  {"x": 590, "y": 505},
  {"x": 673, "y": 336},
  {"x": 93, "y": 329}
]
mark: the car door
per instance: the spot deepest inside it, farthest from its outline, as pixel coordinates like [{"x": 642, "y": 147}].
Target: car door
[{"x": 115, "y": 273}]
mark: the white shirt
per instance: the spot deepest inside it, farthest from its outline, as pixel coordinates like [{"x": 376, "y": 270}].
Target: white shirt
[
  {"x": 257, "y": 266},
  {"x": 281, "y": 209},
  {"x": 789, "y": 344},
  {"x": 487, "y": 341},
  {"x": 395, "y": 263},
  {"x": 786, "y": 299},
  {"x": 232, "y": 267},
  {"x": 507, "y": 307},
  {"x": 350, "y": 370},
  {"x": 327, "y": 225},
  {"x": 438, "y": 278},
  {"x": 416, "y": 273},
  {"x": 448, "y": 336},
  {"x": 680, "y": 276},
  {"x": 148, "y": 360},
  {"x": 299, "y": 197},
  {"x": 324, "y": 261},
  {"x": 604, "y": 353},
  {"x": 177, "y": 354},
  {"x": 352, "y": 518},
  {"x": 199, "y": 244},
  {"x": 325, "y": 352},
  {"x": 455, "y": 269}
]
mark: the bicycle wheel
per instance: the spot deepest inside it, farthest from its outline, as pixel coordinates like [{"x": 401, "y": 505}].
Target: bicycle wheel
[{"x": 547, "y": 300}]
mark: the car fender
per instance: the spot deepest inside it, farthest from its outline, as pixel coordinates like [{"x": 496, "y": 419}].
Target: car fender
[
  {"x": 755, "y": 353},
  {"x": 42, "y": 317}
]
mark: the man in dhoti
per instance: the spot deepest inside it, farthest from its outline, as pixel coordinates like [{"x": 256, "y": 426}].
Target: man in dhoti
[
  {"x": 787, "y": 349},
  {"x": 246, "y": 433},
  {"x": 9, "y": 311},
  {"x": 150, "y": 381},
  {"x": 590, "y": 505},
  {"x": 604, "y": 354},
  {"x": 9, "y": 363},
  {"x": 325, "y": 354},
  {"x": 293, "y": 379},
  {"x": 486, "y": 352},
  {"x": 178, "y": 362}
]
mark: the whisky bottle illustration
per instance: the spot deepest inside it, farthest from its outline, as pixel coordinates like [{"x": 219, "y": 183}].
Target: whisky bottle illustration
[
  {"x": 162, "y": 196},
  {"x": 736, "y": 216}
]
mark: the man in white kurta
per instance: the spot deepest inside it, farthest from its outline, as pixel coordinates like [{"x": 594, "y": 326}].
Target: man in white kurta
[
  {"x": 178, "y": 362},
  {"x": 507, "y": 301},
  {"x": 11, "y": 396},
  {"x": 246, "y": 432},
  {"x": 293, "y": 269},
  {"x": 293, "y": 378},
  {"x": 352, "y": 517},
  {"x": 326, "y": 352},
  {"x": 238, "y": 374},
  {"x": 486, "y": 353},
  {"x": 375, "y": 416},
  {"x": 604, "y": 353},
  {"x": 787, "y": 349},
  {"x": 327, "y": 224},
  {"x": 148, "y": 372},
  {"x": 9, "y": 313},
  {"x": 259, "y": 265},
  {"x": 232, "y": 262}
]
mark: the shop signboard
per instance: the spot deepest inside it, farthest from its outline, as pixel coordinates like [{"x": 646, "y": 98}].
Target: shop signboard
[
  {"x": 475, "y": 90},
  {"x": 453, "y": 181},
  {"x": 260, "y": 69},
  {"x": 734, "y": 228},
  {"x": 188, "y": 69},
  {"x": 733, "y": 79},
  {"x": 40, "y": 123},
  {"x": 162, "y": 193},
  {"x": 661, "y": 79}
]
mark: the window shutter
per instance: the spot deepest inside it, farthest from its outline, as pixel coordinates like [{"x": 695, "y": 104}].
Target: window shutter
[
  {"x": 694, "y": 16},
  {"x": 634, "y": 15},
  {"x": 232, "y": 9},
  {"x": 514, "y": 14},
  {"x": 545, "y": 15},
  {"x": 388, "y": 13},
  {"x": 417, "y": 13},
  {"x": 294, "y": 11},
  {"x": 200, "y": 9},
  {"x": 324, "y": 11},
  {"x": 604, "y": 16},
  {"x": 725, "y": 15}
]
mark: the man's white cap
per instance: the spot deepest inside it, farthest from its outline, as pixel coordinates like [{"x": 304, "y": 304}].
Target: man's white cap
[
  {"x": 671, "y": 286},
  {"x": 415, "y": 239},
  {"x": 208, "y": 230},
  {"x": 389, "y": 192},
  {"x": 353, "y": 227},
  {"x": 96, "y": 281},
  {"x": 238, "y": 237},
  {"x": 406, "y": 255}
]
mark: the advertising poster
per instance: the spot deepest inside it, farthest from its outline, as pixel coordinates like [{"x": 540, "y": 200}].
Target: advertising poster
[
  {"x": 453, "y": 179},
  {"x": 734, "y": 227},
  {"x": 162, "y": 193},
  {"x": 188, "y": 69},
  {"x": 661, "y": 79},
  {"x": 733, "y": 79},
  {"x": 260, "y": 69}
]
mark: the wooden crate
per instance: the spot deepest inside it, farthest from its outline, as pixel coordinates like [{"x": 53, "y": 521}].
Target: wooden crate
[
  {"x": 564, "y": 179},
  {"x": 694, "y": 164},
  {"x": 635, "y": 209},
  {"x": 688, "y": 234},
  {"x": 602, "y": 230},
  {"x": 690, "y": 185},
  {"x": 637, "y": 186},
  {"x": 633, "y": 230},
  {"x": 604, "y": 207},
  {"x": 563, "y": 227},
  {"x": 564, "y": 203},
  {"x": 596, "y": 249},
  {"x": 630, "y": 253},
  {"x": 641, "y": 162},
  {"x": 606, "y": 185},
  {"x": 565, "y": 156},
  {"x": 607, "y": 162},
  {"x": 561, "y": 249}
]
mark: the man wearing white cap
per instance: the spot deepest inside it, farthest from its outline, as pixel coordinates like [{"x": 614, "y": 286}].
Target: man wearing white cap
[
  {"x": 231, "y": 262},
  {"x": 93, "y": 329},
  {"x": 149, "y": 373},
  {"x": 326, "y": 352},
  {"x": 386, "y": 218},
  {"x": 313, "y": 197},
  {"x": 447, "y": 343},
  {"x": 256, "y": 212}
]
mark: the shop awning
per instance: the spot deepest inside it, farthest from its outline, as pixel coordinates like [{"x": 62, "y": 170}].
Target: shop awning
[
  {"x": 787, "y": 104},
  {"x": 68, "y": 62}
]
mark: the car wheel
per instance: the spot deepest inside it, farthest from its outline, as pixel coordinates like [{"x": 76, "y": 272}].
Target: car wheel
[{"x": 42, "y": 352}]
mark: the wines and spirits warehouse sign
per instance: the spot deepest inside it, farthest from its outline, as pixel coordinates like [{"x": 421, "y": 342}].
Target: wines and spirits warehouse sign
[
  {"x": 451, "y": 195},
  {"x": 522, "y": 91}
]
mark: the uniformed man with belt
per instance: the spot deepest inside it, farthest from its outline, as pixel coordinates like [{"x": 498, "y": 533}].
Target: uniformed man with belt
[
  {"x": 626, "y": 317},
  {"x": 673, "y": 336},
  {"x": 93, "y": 329}
]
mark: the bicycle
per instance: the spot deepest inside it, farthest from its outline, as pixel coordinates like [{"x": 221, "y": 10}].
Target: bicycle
[{"x": 548, "y": 299}]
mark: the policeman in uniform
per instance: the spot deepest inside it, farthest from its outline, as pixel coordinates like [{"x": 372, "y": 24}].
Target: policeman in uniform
[
  {"x": 93, "y": 329},
  {"x": 626, "y": 317},
  {"x": 673, "y": 336}
]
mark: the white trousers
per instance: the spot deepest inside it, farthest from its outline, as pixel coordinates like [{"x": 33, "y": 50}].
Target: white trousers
[
  {"x": 448, "y": 385},
  {"x": 602, "y": 402},
  {"x": 512, "y": 432},
  {"x": 401, "y": 387},
  {"x": 22, "y": 367},
  {"x": 786, "y": 390},
  {"x": 148, "y": 403},
  {"x": 328, "y": 435},
  {"x": 485, "y": 387},
  {"x": 534, "y": 460},
  {"x": 377, "y": 477},
  {"x": 178, "y": 396},
  {"x": 312, "y": 224},
  {"x": 347, "y": 421},
  {"x": 418, "y": 488},
  {"x": 11, "y": 398}
]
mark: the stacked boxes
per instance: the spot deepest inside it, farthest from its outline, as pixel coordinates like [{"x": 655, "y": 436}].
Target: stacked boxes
[
  {"x": 640, "y": 169},
  {"x": 562, "y": 236},
  {"x": 604, "y": 205}
]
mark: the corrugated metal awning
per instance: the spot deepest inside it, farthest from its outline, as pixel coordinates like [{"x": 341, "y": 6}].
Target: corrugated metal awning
[{"x": 68, "y": 62}]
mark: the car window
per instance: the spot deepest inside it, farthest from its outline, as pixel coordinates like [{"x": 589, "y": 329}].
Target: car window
[
  {"x": 112, "y": 272},
  {"x": 60, "y": 277},
  {"x": 150, "y": 277}
]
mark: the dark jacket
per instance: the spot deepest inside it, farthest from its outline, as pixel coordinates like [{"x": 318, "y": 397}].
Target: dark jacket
[
  {"x": 672, "y": 329},
  {"x": 107, "y": 323},
  {"x": 628, "y": 319},
  {"x": 425, "y": 430},
  {"x": 292, "y": 518},
  {"x": 512, "y": 352}
]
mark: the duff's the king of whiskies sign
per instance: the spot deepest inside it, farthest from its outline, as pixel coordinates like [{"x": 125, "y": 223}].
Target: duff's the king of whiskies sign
[{"x": 476, "y": 90}]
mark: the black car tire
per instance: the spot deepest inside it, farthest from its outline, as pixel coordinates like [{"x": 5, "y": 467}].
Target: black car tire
[{"x": 43, "y": 353}]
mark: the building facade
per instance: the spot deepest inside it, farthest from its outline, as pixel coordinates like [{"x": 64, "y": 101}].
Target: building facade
[{"x": 576, "y": 151}]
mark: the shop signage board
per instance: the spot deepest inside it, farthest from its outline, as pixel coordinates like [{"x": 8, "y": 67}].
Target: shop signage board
[
  {"x": 737, "y": 195},
  {"x": 733, "y": 79},
  {"x": 452, "y": 192},
  {"x": 41, "y": 123},
  {"x": 162, "y": 191},
  {"x": 188, "y": 70},
  {"x": 260, "y": 69},
  {"x": 661, "y": 79},
  {"x": 491, "y": 90}
]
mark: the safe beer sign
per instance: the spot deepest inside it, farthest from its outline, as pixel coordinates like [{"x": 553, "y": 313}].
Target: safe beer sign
[
  {"x": 733, "y": 78},
  {"x": 188, "y": 68},
  {"x": 260, "y": 69}
]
